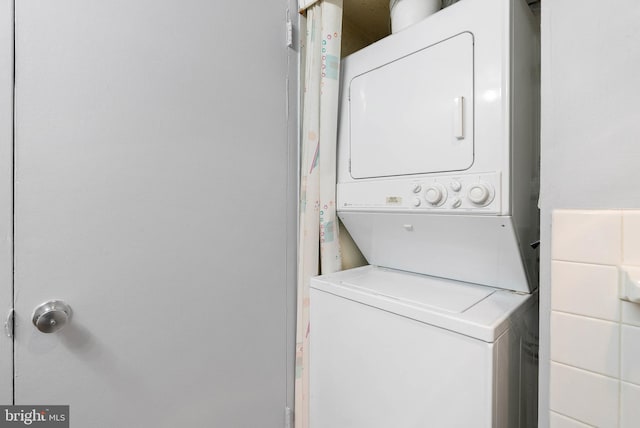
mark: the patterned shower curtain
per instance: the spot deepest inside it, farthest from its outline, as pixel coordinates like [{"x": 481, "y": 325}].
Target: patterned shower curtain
[{"x": 318, "y": 248}]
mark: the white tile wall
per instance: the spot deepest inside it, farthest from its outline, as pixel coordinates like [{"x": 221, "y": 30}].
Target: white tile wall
[
  {"x": 559, "y": 421},
  {"x": 586, "y": 343},
  {"x": 595, "y": 337},
  {"x": 587, "y": 236},
  {"x": 596, "y": 285},
  {"x": 631, "y": 243},
  {"x": 631, "y": 355},
  {"x": 630, "y": 408},
  {"x": 631, "y": 313},
  {"x": 585, "y": 396}
]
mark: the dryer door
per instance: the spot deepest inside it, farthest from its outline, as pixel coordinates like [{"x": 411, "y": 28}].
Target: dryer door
[{"x": 415, "y": 114}]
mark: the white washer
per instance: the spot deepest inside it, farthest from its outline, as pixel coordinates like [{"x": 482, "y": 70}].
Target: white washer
[{"x": 392, "y": 349}]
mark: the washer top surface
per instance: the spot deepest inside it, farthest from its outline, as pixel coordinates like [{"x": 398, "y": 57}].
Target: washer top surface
[
  {"x": 430, "y": 292},
  {"x": 474, "y": 310}
]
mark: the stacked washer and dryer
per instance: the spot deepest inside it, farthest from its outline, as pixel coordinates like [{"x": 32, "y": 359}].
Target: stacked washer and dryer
[{"x": 437, "y": 179}]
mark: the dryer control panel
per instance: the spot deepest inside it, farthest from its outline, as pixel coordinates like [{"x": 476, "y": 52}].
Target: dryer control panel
[{"x": 451, "y": 193}]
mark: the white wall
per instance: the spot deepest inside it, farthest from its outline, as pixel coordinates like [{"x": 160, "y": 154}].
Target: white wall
[
  {"x": 6, "y": 203},
  {"x": 590, "y": 124}
]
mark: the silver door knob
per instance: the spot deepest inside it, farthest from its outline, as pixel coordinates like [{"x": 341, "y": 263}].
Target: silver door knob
[{"x": 51, "y": 316}]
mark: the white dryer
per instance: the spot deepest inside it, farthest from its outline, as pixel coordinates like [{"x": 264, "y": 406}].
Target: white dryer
[
  {"x": 392, "y": 349},
  {"x": 437, "y": 138}
]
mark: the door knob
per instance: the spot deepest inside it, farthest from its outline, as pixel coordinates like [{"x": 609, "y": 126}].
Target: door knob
[{"x": 51, "y": 316}]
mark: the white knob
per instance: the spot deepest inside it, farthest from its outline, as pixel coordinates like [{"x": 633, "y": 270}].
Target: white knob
[
  {"x": 416, "y": 188},
  {"x": 457, "y": 202},
  {"x": 479, "y": 194},
  {"x": 456, "y": 186},
  {"x": 417, "y": 202},
  {"x": 435, "y": 194}
]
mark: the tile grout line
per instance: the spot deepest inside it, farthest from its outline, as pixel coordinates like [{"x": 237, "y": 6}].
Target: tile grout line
[
  {"x": 589, "y": 317},
  {"x": 584, "y": 263},
  {"x": 588, "y": 371},
  {"x": 594, "y": 318},
  {"x": 620, "y": 347},
  {"x": 583, "y": 370},
  {"x": 573, "y": 419},
  {"x": 620, "y": 372}
]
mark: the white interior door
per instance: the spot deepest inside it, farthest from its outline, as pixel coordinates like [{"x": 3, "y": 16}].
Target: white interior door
[{"x": 153, "y": 195}]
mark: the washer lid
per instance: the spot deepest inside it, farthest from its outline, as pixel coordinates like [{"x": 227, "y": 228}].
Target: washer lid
[
  {"x": 473, "y": 310},
  {"x": 419, "y": 290}
]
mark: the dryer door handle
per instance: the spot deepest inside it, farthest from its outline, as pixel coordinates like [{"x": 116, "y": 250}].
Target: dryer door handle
[{"x": 458, "y": 118}]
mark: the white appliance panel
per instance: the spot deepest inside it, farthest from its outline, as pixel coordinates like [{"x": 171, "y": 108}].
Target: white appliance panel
[
  {"x": 378, "y": 361},
  {"x": 395, "y": 195},
  {"x": 415, "y": 114},
  {"x": 468, "y": 309},
  {"x": 374, "y": 369},
  {"x": 482, "y": 250},
  {"x": 428, "y": 292}
]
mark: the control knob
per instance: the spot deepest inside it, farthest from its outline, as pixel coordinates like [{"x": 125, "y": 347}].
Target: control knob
[
  {"x": 455, "y": 185},
  {"x": 435, "y": 194},
  {"x": 479, "y": 193}
]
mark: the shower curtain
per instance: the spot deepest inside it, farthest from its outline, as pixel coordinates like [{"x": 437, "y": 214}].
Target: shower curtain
[{"x": 318, "y": 248}]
